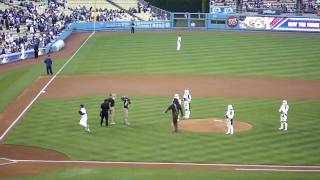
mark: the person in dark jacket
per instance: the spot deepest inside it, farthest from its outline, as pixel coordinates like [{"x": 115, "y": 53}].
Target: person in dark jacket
[
  {"x": 48, "y": 62},
  {"x": 132, "y": 27},
  {"x": 36, "y": 49},
  {"x": 104, "y": 112},
  {"x": 175, "y": 107}
]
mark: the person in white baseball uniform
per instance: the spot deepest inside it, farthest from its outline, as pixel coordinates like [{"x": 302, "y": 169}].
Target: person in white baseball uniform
[
  {"x": 84, "y": 118},
  {"x": 284, "y": 115},
  {"x": 229, "y": 116},
  {"x": 23, "y": 53},
  {"x": 187, "y": 103},
  {"x": 179, "y": 42}
]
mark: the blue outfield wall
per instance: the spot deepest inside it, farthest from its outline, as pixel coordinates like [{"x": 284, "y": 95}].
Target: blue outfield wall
[
  {"x": 188, "y": 21},
  {"x": 14, "y": 57},
  {"x": 120, "y": 26}
]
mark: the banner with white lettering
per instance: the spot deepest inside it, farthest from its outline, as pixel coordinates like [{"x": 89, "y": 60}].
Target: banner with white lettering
[{"x": 280, "y": 23}]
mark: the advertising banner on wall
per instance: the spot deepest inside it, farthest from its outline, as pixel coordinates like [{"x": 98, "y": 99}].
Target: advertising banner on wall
[
  {"x": 280, "y": 24},
  {"x": 221, "y": 10},
  {"x": 269, "y": 11},
  {"x": 218, "y": 7}
]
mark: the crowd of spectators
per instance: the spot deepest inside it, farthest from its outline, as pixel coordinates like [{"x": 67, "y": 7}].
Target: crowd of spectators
[
  {"x": 146, "y": 9},
  {"x": 39, "y": 28},
  {"x": 31, "y": 24},
  {"x": 286, "y": 6},
  {"x": 83, "y": 13}
]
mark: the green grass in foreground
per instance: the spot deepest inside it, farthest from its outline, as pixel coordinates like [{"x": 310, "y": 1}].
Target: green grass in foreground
[
  {"x": 203, "y": 53},
  {"x": 14, "y": 82},
  {"x": 53, "y": 124},
  {"x": 161, "y": 174}
]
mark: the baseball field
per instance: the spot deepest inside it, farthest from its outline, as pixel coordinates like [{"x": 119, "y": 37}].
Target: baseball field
[{"x": 252, "y": 71}]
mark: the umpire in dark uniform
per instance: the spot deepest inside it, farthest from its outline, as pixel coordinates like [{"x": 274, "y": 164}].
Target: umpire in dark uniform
[
  {"x": 104, "y": 112},
  {"x": 48, "y": 62},
  {"x": 175, "y": 107}
]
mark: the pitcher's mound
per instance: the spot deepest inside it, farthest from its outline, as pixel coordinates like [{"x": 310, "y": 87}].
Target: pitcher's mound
[{"x": 213, "y": 125}]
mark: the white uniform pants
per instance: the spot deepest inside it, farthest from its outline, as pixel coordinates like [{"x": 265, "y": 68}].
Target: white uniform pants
[
  {"x": 186, "y": 106},
  {"x": 178, "y": 46},
  {"x": 126, "y": 116},
  {"x": 283, "y": 122},
  {"x": 84, "y": 123},
  {"x": 111, "y": 115},
  {"x": 230, "y": 126}
]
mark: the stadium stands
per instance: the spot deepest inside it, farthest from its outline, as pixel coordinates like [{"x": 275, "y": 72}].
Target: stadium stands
[{"x": 100, "y": 4}]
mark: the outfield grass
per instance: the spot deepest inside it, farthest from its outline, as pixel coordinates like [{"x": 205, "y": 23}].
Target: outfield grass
[
  {"x": 53, "y": 124},
  {"x": 13, "y": 83},
  {"x": 161, "y": 174},
  {"x": 203, "y": 53}
]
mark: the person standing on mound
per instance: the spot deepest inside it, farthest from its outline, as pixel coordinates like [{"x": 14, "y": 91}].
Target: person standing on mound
[
  {"x": 229, "y": 116},
  {"x": 284, "y": 108},
  {"x": 175, "y": 107},
  {"x": 187, "y": 103}
]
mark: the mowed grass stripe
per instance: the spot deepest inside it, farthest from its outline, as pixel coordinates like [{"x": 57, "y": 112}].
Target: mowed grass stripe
[
  {"x": 160, "y": 174},
  {"x": 149, "y": 137},
  {"x": 202, "y": 54}
]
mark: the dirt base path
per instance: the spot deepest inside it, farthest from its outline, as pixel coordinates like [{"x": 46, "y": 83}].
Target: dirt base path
[
  {"x": 140, "y": 85},
  {"x": 10, "y": 168}
]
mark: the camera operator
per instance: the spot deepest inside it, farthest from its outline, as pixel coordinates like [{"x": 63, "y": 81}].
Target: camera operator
[{"x": 126, "y": 104}]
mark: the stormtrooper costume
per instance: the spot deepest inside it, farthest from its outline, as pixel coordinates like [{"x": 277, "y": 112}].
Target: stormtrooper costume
[
  {"x": 229, "y": 116},
  {"x": 179, "y": 42},
  {"x": 284, "y": 115},
  {"x": 187, "y": 103}
]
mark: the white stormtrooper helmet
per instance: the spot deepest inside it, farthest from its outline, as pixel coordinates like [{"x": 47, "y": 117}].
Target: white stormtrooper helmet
[
  {"x": 230, "y": 107},
  {"x": 284, "y": 102},
  {"x": 186, "y": 91},
  {"x": 176, "y": 96}
]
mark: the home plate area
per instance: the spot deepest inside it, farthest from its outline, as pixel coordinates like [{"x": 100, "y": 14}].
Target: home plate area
[{"x": 212, "y": 125}]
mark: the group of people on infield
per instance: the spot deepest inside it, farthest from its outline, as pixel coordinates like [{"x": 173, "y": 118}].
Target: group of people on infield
[
  {"x": 176, "y": 109},
  {"x": 107, "y": 112}
]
